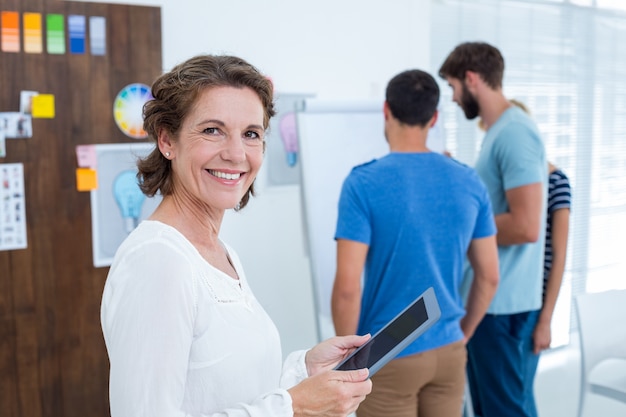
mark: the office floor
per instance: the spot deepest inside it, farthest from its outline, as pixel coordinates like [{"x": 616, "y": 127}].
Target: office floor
[{"x": 557, "y": 387}]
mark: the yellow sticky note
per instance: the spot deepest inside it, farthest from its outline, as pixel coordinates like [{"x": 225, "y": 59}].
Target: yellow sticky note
[
  {"x": 43, "y": 106},
  {"x": 86, "y": 179}
]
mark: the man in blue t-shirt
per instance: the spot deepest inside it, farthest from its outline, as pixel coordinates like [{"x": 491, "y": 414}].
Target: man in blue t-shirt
[
  {"x": 512, "y": 163},
  {"x": 407, "y": 221}
]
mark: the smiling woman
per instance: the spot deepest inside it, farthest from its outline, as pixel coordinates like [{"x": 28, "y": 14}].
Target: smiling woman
[
  {"x": 184, "y": 333},
  {"x": 175, "y": 93},
  {"x": 216, "y": 159}
]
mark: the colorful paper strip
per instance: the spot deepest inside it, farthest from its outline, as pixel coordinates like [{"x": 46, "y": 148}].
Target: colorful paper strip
[
  {"x": 32, "y": 33},
  {"x": 97, "y": 35},
  {"x": 55, "y": 37},
  {"x": 10, "y": 32},
  {"x": 76, "y": 25}
]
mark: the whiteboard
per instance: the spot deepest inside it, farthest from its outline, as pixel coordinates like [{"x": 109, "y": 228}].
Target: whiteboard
[{"x": 335, "y": 136}]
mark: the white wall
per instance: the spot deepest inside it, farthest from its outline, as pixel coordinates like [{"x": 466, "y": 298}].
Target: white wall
[{"x": 345, "y": 49}]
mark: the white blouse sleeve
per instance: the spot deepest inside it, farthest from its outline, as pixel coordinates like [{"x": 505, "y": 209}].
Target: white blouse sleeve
[
  {"x": 147, "y": 313},
  {"x": 294, "y": 369}
]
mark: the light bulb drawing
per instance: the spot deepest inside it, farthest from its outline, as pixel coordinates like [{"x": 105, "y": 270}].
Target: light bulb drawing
[
  {"x": 289, "y": 136},
  {"x": 129, "y": 198}
]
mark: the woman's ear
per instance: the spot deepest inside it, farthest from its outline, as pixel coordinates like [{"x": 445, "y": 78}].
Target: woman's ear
[{"x": 164, "y": 142}]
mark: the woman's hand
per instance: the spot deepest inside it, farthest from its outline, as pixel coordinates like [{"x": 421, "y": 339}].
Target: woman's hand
[
  {"x": 330, "y": 393},
  {"x": 542, "y": 336},
  {"x": 326, "y": 355}
]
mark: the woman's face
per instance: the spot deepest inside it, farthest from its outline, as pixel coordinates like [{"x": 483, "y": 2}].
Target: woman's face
[{"x": 219, "y": 150}]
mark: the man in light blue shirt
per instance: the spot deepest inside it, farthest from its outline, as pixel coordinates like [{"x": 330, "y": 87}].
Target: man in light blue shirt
[{"x": 513, "y": 166}]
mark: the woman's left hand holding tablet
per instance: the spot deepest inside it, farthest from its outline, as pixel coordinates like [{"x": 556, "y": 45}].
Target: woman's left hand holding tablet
[{"x": 327, "y": 354}]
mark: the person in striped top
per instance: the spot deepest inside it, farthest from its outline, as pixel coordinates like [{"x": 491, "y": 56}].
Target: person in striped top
[{"x": 557, "y": 231}]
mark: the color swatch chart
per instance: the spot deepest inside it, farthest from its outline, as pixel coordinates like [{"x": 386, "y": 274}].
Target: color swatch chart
[{"x": 29, "y": 31}]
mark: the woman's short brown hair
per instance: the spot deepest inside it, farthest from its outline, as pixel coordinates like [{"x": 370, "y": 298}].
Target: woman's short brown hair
[{"x": 175, "y": 92}]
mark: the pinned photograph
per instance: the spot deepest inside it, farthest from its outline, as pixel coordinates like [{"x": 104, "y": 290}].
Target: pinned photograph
[
  {"x": 16, "y": 125},
  {"x": 26, "y": 101},
  {"x": 3, "y": 144}
]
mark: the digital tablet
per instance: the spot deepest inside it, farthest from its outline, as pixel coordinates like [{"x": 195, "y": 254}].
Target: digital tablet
[{"x": 389, "y": 341}]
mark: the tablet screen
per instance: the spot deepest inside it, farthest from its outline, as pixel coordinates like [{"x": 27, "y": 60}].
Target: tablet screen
[{"x": 395, "y": 336}]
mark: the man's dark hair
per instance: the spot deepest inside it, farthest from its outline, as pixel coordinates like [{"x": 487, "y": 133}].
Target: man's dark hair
[
  {"x": 412, "y": 97},
  {"x": 478, "y": 57}
]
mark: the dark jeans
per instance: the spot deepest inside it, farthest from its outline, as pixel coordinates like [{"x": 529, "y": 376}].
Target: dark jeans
[{"x": 501, "y": 365}]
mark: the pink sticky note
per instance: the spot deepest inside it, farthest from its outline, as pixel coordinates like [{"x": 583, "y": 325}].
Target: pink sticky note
[{"x": 86, "y": 156}]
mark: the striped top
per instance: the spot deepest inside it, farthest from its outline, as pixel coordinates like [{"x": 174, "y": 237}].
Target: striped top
[{"x": 559, "y": 197}]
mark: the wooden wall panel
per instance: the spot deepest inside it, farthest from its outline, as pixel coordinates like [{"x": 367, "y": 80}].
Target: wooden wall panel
[{"x": 53, "y": 360}]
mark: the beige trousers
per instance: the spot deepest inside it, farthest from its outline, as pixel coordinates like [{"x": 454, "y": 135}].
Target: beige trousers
[{"x": 427, "y": 384}]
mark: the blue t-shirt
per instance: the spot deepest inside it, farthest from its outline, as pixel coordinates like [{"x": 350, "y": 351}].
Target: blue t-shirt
[
  {"x": 513, "y": 155},
  {"x": 418, "y": 213}
]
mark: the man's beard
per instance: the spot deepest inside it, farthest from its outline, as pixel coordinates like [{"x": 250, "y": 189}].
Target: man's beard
[{"x": 469, "y": 104}]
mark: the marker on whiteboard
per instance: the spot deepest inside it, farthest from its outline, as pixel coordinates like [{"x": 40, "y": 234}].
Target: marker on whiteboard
[{"x": 289, "y": 136}]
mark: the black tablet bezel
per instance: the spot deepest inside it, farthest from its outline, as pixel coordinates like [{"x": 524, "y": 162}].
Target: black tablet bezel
[{"x": 426, "y": 304}]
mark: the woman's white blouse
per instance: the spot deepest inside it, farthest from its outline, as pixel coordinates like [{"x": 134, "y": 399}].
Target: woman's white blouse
[{"x": 185, "y": 339}]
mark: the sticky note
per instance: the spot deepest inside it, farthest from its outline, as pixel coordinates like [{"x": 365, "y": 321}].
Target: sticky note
[
  {"x": 55, "y": 35},
  {"x": 86, "y": 179},
  {"x": 86, "y": 156},
  {"x": 32, "y": 33},
  {"x": 43, "y": 106},
  {"x": 10, "y": 32}
]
